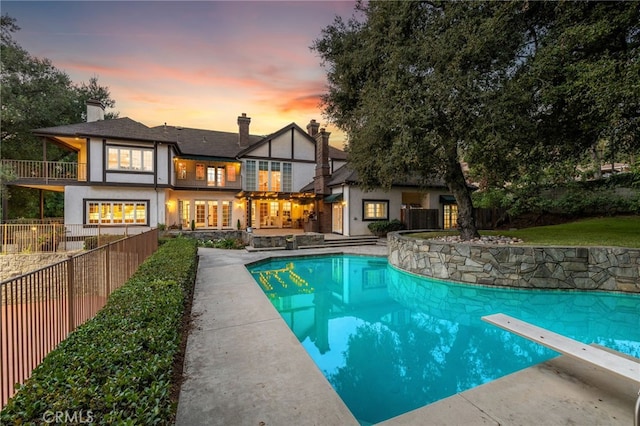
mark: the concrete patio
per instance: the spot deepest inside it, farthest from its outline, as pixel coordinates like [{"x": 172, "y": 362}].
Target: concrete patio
[{"x": 243, "y": 366}]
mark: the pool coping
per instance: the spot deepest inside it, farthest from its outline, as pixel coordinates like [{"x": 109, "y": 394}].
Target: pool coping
[{"x": 243, "y": 365}]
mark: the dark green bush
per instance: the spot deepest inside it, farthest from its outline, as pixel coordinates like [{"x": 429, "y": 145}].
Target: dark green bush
[
  {"x": 118, "y": 365},
  {"x": 223, "y": 243},
  {"x": 382, "y": 227}
]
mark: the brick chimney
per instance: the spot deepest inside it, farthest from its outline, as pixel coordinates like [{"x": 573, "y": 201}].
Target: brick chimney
[
  {"x": 243, "y": 130},
  {"x": 95, "y": 110},
  {"x": 323, "y": 172},
  {"x": 312, "y": 128}
]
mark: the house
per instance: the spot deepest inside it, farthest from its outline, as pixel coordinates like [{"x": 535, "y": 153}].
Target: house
[{"x": 129, "y": 174}]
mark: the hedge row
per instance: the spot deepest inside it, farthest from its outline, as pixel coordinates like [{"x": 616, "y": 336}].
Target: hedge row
[{"x": 117, "y": 367}]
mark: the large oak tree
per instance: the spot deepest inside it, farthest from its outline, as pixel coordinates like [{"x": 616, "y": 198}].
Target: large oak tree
[
  {"x": 36, "y": 94},
  {"x": 511, "y": 87}
]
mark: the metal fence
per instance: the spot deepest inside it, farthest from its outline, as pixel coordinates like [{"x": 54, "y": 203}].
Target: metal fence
[
  {"x": 40, "y": 309},
  {"x": 28, "y": 238}
]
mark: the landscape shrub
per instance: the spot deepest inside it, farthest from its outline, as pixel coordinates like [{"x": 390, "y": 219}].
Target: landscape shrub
[
  {"x": 382, "y": 227},
  {"x": 117, "y": 367},
  {"x": 223, "y": 243}
]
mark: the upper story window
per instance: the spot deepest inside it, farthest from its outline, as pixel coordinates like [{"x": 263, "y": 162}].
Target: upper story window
[
  {"x": 268, "y": 176},
  {"x": 216, "y": 175},
  {"x": 129, "y": 158}
]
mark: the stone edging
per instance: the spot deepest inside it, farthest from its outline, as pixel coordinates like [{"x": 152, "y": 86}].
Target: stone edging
[{"x": 580, "y": 268}]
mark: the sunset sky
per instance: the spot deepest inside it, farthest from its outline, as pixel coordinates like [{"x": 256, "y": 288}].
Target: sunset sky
[{"x": 194, "y": 64}]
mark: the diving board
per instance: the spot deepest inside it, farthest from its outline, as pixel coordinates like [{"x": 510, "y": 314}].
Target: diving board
[{"x": 619, "y": 365}]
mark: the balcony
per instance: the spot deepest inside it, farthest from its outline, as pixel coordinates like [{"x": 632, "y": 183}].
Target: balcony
[
  {"x": 28, "y": 172},
  {"x": 191, "y": 180}
]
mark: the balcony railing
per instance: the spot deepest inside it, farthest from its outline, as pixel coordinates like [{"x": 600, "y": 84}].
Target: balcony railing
[
  {"x": 46, "y": 171},
  {"x": 189, "y": 179}
]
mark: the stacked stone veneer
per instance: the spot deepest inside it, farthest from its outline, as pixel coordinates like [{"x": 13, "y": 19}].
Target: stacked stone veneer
[
  {"x": 13, "y": 265},
  {"x": 276, "y": 241},
  {"x": 581, "y": 268}
]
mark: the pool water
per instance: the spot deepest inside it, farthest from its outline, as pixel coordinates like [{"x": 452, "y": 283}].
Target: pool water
[{"x": 390, "y": 342}]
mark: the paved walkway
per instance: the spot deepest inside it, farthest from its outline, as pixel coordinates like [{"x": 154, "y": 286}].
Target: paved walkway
[{"x": 243, "y": 366}]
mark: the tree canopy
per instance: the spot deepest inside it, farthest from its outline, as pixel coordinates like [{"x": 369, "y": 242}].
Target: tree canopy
[
  {"x": 506, "y": 86},
  {"x": 36, "y": 94}
]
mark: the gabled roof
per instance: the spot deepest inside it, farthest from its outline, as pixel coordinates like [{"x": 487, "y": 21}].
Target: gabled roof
[
  {"x": 346, "y": 175},
  {"x": 119, "y": 128},
  {"x": 280, "y": 132},
  {"x": 204, "y": 142},
  {"x": 198, "y": 142}
]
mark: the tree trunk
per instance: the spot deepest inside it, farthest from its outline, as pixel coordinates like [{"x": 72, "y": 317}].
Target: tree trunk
[{"x": 457, "y": 184}]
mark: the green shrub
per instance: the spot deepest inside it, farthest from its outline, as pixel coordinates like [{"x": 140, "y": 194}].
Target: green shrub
[
  {"x": 119, "y": 364},
  {"x": 382, "y": 227},
  {"x": 223, "y": 243}
]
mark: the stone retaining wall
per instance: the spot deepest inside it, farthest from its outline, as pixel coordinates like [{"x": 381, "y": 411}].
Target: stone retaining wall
[
  {"x": 581, "y": 268},
  {"x": 13, "y": 265},
  {"x": 274, "y": 241}
]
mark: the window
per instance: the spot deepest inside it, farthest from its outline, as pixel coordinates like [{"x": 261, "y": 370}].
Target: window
[
  {"x": 116, "y": 212},
  {"x": 275, "y": 176},
  {"x": 130, "y": 158},
  {"x": 251, "y": 176},
  {"x": 450, "y": 216},
  {"x": 269, "y": 176},
  {"x": 263, "y": 176},
  {"x": 182, "y": 170},
  {"x": 199, "y": 171},
  {"x": 184, "y": 209},
  {"x": 226, "y": 214},
  {"x": 231, "y": 172},
  {"x": 211, "y": 176},
  {"x": 286, "y": 177},
  {"x": 375, "y": 210},
  {"x": 200, "y": 213},
  {"x": 220, "y": 176}
]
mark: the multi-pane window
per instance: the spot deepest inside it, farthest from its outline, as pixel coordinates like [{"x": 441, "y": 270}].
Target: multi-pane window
[
  {"x": 375, "y": 210},
  {"x": 231, "y": 172},
  {"x": 286, "y": 177},
  {"x": 117, "y": 212},
  {"x": 220, "y": 176},
  {"x": 199, "y": 171},
  {"x": 268, "y": 176},
  {"x": 450, "y": 216},
  {"x": 216, "y": 175},
  {"x": 200, "y": 213},
  {"x": 182, "y": 170},
  {"x": 250, "y": 175},
  {"x": 263, "y": 176},
  {"x": 276, "y": 183},
  {"x": 129, "y": 158},
  {"x": 226, "y": 214},
  {"x": 184, "y": 209}
]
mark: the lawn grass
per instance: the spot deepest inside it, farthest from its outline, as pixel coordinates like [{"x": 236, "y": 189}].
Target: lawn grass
[{"x": 620, "y": 231}]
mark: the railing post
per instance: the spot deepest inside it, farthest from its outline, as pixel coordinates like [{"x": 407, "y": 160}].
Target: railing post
[
  {"x": 108, "y": 270},
  {"x": 70, "y": 293}
]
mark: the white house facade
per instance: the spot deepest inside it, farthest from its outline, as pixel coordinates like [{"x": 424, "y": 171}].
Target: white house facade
[{"x": 131, "y": 175}]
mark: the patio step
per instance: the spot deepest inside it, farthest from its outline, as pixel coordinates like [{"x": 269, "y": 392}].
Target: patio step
[{"x": 351, "y": 241}]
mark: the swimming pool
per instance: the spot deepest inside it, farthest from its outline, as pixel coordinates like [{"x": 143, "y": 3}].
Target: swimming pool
[{"x": 390, "y": 342}]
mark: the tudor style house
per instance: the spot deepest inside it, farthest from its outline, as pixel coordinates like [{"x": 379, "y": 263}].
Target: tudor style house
[{"x": 128, "y": 174}]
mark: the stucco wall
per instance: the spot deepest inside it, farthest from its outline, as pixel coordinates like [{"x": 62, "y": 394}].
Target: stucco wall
[{"x": 581, "y": 268}]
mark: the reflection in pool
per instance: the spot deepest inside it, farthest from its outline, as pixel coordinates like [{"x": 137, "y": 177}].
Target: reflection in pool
[{"x": 390, "y": 342}]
